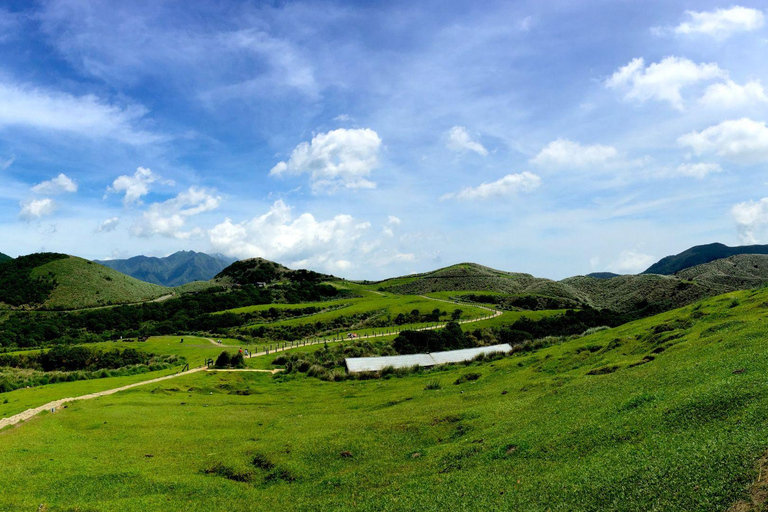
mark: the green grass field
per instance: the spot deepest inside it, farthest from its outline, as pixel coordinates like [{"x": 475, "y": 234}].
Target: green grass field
[{"x": 667, "y": 413}]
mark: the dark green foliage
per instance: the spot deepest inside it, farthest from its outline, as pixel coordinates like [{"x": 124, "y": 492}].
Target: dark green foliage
[
  {"x": 238, "y": 361},
  {"x": 417, "y": 342},
  {"x": 177, "y": 269},
  {"x": 517, "y": 302},
  {"x": 468, "y": 377},
  {"x": 72, "y": 358},
  {"x": 69, "y": 363},
  {"x": 17, "y": 287},
  {"x": 224, "y": 360},
  {"x": 189, "y": 312},
  {"x": 4, "y": 257},
  {"x": 259, "y": 270},
  {"x": 433, "y": 384}
]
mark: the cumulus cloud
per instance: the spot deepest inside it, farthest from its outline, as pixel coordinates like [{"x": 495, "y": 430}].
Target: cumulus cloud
[
  {"x": 57, "y": 185},
  {"x": 632, "y": 262},
  {"x": 698, "y": 170},
  {"x": 295, "y": 240},
  {"x": 751, "y": 220},
  {"x": 721, "y": 23},
  {"x": 136, "y": 186},
  {"x": 460, "y": 141},
  {"x": 740, "y": 140},
  {"x": 563, "y": 153},
  {"x": 505, "y": 187},
  {"x": 108, "y": 225},
  {"x": 37, "y": 208},
  {"x": 44, "y": 109},
  {"x": 392, "y": 222},
  {"x": 337, "y": 159},
  {"x": 732, "y": 95},
  {"x": 169, "y": 218},
  {"x": 661, "y": 81}
]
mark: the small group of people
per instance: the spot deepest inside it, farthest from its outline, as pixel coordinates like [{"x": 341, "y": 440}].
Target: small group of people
[{"x": 247, "y": 354}]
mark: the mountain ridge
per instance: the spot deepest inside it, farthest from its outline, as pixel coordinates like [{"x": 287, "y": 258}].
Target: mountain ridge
[
  {"x": 179, "y": 268},
  {"x": 700, "y": 254}
]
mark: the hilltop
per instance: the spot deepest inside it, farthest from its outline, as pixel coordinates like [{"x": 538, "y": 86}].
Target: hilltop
[
  {"x": 646, "y": 293},
  {"x": 701, "y": 254},
  {"x": 60, "y": 281},
  {"x": 258, "y": 270},
  {"x": 4, "y": 257},
  {"x": 179, "y": 268}
]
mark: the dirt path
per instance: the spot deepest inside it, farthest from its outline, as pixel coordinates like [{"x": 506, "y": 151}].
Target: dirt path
[
  {"x": 56, "y": 404},
  {"x": 29, "y": 413}
]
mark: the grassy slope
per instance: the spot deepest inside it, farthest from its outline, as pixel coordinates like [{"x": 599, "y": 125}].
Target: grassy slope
[
  {"x": 83, "y": 284},
  {"x": 681, "y": 432}
]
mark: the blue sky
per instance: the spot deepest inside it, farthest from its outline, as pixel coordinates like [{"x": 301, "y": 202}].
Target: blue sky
[{"x": 370, "y": 139}]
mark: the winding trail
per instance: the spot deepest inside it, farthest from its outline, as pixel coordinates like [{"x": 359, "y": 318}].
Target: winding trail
[{"x": 30, "y": 413}]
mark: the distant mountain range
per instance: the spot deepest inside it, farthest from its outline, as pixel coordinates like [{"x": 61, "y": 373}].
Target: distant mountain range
[
  {"x": 699, "y": 255},
  {"x": 175, "y": 270},
  {"x": 4, "y": 257}
]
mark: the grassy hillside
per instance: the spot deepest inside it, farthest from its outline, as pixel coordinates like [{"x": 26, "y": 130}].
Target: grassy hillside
[
  {"x": 177, "y": 269},
  {"x": 667, "y": 413},
  {"x": 622, "y": 293},
  {"x": 701, "y": 254},
  {"x": 81, "y": 283},
  {"x": 470, "y": 276}
]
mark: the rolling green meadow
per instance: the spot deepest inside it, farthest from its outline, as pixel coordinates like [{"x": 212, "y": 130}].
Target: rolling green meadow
[{"x": 665, "y": 413}]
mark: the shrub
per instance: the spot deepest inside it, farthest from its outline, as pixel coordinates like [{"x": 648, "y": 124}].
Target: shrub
[
  {"x": 433, "y": 384},
  {"x": 467, "y": 377},
  {"x": 224, "y": 360},
  {"x": 238, "y": 361}
]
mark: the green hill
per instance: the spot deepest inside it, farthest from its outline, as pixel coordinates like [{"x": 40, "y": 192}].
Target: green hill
[
  {"x": 666, "y": 413},
  {"x": 259, "y": 270},
  {"x": 471, "y": 276},
  {"x": 59, "y": 281},
  {"x": 4, "y": 257},
  {"x": 603, "y": 275},
  {"x": 178, "y": 269},
  {"x": 651, "y": 293},
  {"x": 701, "y": 254}
]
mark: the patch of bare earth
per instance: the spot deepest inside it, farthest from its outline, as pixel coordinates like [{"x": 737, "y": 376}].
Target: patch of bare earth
[{"x": 758, "y": 491}]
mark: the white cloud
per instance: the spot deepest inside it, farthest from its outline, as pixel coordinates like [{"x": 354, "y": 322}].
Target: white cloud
[
  {"x": 722, "y": 23},
  {"x": 563, "y": 153},
  {"x": 751, "y": 220},
  {"x": 505, "y": 187},
  {"x": 392, "y": 222},
  {"x": 136, "y": 186},
  {"x": 732, "y": 95},
  {"x": 661, "y": 81},
  {"x": 632, "y": 261},
  {"x": 338, "y": 159},
  {"x": 741, "y": 140},
  {"x": 108, "y": 225},
  {"x": 37, "y": 208},
  {"x": 6, "y": 162},
  {"x": 57, "y": 185},
  {"x": 698, "y": 170},
  {"x": 303, "y": 240},
  {"x": 460, "y": 140},
  {"x": 169, "y": 218},
  {"x": 89, "y": 116}
]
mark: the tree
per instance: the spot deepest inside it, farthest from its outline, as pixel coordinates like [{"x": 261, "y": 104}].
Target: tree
[{"x": 456, "y": 314}]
